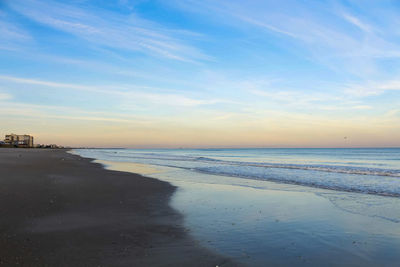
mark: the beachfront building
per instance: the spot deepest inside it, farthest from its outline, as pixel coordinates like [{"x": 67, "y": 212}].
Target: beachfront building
[{"x": 19, "y": 140}]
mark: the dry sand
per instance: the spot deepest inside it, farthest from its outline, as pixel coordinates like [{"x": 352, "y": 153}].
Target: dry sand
[{"x": 59, "y": 209}]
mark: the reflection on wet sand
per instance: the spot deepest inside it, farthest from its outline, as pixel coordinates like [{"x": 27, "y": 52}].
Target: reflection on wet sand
[{"x": 260, "y": 222}]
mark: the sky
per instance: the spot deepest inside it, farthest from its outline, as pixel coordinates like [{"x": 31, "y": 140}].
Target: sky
[{"x": 173, "y": 73}]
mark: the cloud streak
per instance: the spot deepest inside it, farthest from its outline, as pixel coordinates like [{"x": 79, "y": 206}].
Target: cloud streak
[
  {"x": 318, "y": 33},
  {"x": 11, "y": 34},
  {"x": 110, "y": 30},
  {"x": 373, "y": 88},
  {"x": 129, "y": 93},
  {"x": 4, "y": 96}
]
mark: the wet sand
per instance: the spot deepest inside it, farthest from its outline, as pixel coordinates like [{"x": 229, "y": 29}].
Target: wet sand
[
  {"x": 262, "y": 223},
  {"x": 59, "y": 209}
]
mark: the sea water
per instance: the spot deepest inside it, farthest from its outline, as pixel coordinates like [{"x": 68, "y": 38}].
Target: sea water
[
  {"x": 372, "y": 170},
  {"x": 281, "y": 206}
]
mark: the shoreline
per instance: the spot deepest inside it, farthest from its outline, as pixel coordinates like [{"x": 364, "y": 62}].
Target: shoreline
[
  {"x": 259, "y": 223},
  {"x": 60, "y": 209}
]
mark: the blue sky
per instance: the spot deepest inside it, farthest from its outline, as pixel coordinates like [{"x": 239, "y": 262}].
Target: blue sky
[{"x": 201, "y": 73}]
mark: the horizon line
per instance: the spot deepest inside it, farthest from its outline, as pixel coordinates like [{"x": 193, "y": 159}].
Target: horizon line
[{"x": 361, "y": 147}]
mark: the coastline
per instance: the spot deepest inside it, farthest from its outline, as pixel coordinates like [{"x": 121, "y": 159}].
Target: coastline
[
  {"x": 259, "y": 223},
  {"x": 60, "y": 209}
]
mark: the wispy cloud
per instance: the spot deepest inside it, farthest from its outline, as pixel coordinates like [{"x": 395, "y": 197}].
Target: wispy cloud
[
  {"x": 67, "y": 113},
  {"x": 394, "y": 113},
  {"x": 319, "y": 32},
  {"x": 357, "y": 22},
  {"x": 345, "y": 107},
  {"x": 372, "y": 88},
  {"x": 293, "y": 96},
  {"x": 129, "y": 93},
  {"x": 267, "y": 26},
  {"x": 4, "y": 96},
  {"x": 46, "y": 83},
  {"x": 111, "y": 30},
  {"x": 11, "y": 34}
]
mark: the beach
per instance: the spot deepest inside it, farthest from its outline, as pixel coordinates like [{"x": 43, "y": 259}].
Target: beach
[
  {"x": 258, "y": 221},
  {"x": 199, "y": 133},
  {"x": 132, "y": 208},
  {"x": 58, "y": 209}
]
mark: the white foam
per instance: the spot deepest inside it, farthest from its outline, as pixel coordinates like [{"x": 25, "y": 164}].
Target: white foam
[{"x": 356, "y": 176}]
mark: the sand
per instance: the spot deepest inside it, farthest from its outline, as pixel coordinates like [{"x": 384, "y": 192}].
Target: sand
[
  {"x": 262, "y": 223},
  {"x": 59, "y": 209}
]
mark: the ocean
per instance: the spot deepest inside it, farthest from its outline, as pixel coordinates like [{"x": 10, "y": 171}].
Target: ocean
[
  {"x": 365, "y": 170},
  {"x": 280, "y": 207}
]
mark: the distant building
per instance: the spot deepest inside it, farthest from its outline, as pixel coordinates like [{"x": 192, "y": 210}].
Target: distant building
[{"x": 19, "y": 140}]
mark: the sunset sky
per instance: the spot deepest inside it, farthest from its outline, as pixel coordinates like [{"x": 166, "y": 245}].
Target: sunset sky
[{"x": 202, "y": 73}]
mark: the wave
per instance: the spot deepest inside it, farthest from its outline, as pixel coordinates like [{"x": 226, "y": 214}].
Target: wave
[
  {"x": 362, "y": 178},
  {"x": 334, "y": 169},
  {"x": 208, "y": 159},
  {"x": 310, "y": 167},
  {"x": 385, "y": 186}
]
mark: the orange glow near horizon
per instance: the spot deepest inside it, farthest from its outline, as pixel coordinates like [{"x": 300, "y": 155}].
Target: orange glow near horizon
[{"x": 305, "y": 132}]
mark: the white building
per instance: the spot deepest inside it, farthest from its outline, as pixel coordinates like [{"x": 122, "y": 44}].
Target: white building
[{"x": 19, "y": 140}]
